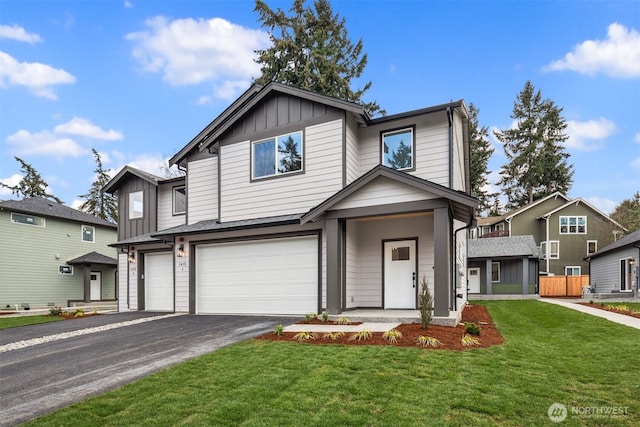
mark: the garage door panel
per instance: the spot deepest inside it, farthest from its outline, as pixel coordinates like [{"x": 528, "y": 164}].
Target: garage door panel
[
  {"x": 278, "y": 276},
  {"x": 158, "y": 281}
]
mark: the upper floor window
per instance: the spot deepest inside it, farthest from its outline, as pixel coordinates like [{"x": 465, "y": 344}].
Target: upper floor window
[
  {"x": 19, "y": 218},
  {"x": 573, "y": 224},
  {"x": 179, "y": 200},
  {"x": 136, "y": 205},
  {"x": 88, "y": 233},
  {"x": 277, "y": 156},
  {"x": 592, "y": 247},
  {"x": 553, "y": 248},
  {"x": 397, "y": 149},
  {"x": 571, "y": 270}
]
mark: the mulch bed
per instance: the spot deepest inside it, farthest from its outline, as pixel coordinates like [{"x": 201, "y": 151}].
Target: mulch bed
[
  {"x": 604, "y": 307},
  {"x": 449, "y": 337}
]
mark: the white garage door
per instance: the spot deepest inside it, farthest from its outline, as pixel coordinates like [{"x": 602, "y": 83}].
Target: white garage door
[
  {"x": 274, "y": 276},
  {"x": 158, "y": 282}
]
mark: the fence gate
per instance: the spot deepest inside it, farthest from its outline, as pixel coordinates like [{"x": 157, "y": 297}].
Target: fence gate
[{"x": 562, "y": 286}]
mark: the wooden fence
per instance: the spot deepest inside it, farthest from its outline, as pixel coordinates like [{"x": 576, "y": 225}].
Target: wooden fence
[{"x": 562, "y": 286}]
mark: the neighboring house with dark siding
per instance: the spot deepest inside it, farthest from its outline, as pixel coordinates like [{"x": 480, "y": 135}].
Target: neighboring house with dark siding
[
  {"x": 53, "y": 254},
  {"x": 616, "y": 267},
  {"x": 297, "y": 202}
]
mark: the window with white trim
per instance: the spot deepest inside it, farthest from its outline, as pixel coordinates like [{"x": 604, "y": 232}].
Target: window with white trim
[
  {"x": 179, "y": 200},
  {"x": 65, "y": 269},
  {"x": 592, "y": 247},
  {"x": 572, "y": 270},
  {"x": 573, "y": 224},
  {"x": 495, "y": 272},
  {"x": 277, "y": 156},
  {"x": 88, "y": 234},
  {"x": 554, "y": 249},
  {"x": 397, "y": 149},
  {"x": 136, "y": 203},
  {"x": 18, "y": 218}
]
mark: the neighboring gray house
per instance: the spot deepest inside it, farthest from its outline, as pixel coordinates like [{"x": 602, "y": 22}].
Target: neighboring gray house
[
  {"x": 503, "y": 265},
  {"x": 53, "y": 254},
  {"x": 297, "y": 202},
  {"x": 616, "y": 267}
]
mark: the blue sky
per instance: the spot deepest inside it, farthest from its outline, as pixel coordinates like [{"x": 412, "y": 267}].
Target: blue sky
[{"x": 137, "y": 80}]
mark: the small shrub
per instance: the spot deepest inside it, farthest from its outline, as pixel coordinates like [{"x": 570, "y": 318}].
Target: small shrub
[
  {"x": 78, "y": 313},
  {"x": 343, "y": 321},
  {"x": 278, "y": 329},
  {"x": 362, "y": 335},
  {"x": 305, "y": 336},
  {"x": 325, "y": 316},
  {"x": 469, "y": 341},
  {"x": 392, "y": 335},
  {"x": 55, "y": 311},
  {"x": 591, "y": 301},
  {"x": 333, "y": 335},
  {"x": 310, "y": 316},
  {"x": 425, "y": 303},
  {"x": 425, "y": 341},
  {"x": 472, "y": 328}
]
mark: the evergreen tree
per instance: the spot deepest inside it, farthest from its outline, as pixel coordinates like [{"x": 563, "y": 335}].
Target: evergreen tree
[
  {"x": 537, "y": 161},
  {"x": 290, "y": 158},
  {"x": 480, "y": 152},
  {"x": 98, "y": 203},
  {"x": 627, "y": 213},
  {"x": 311, "y": 50},
  {"x": 401, "y": 157},
  {"x": 31, "y": 184}
]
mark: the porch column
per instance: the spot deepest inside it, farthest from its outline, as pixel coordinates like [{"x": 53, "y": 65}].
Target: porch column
[
  {"x": 334, "y": 258},
  {"x": 86, "y": 269},
  {"x": 488, "y": 270},
  {"x": 441, "y": 261},
  {"x": 525, "y": 276}
]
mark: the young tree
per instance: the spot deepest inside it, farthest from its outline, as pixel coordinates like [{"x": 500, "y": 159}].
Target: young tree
[
  {"x": 401, "y": 157},
  {"x": 311, "y": 50},
  {"x": 290, "y": 158},
  {"x": 537, "y": 161},
  {"x": 627, "y": 213},
  {"x": 480, "y": 152},
  {"x": 31, "y": 184},
  {"x": 98, "y": 203}
]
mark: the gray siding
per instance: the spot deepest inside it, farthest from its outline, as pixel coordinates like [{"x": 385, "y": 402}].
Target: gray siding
[
  {"x": 128, "y": 228},
  {"x": 31, "y": 255},
  {"x": 605, "y": 269},
  {"x": 123, "y": 282},
  {"x": 202, "y": 190},
  {"x": 510, "y": 276},
  {"x": 166, "y": 218},
  {"x": 352, "y": 154}
]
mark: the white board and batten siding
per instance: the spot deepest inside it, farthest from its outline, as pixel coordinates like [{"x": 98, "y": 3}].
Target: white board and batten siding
[
  {"x": 182, "y": 280},
  {"x": 382, "y": 191},
  {"x": 123, "y": 282},
  {"x": 459, "y": 179},
  {"x": 243, "y": 199},
  {"x": 166, "y": 218},
  {"x": 202, "y": 189},
  {"x": 351, "y": 152},
  {"x": 133, "y": 285}
]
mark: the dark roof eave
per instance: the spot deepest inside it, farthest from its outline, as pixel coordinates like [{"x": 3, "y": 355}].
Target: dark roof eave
[{"x": 213, "y": 226}]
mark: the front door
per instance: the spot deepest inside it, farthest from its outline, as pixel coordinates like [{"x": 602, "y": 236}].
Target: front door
[
  {"x": 474, "y": 280},
  {"x": 400, "y": 271},
  {"x": 96, "y": 284}
]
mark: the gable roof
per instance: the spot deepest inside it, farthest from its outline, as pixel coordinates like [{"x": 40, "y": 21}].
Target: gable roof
[
  {"x": 93, "y": 258},
  {"x": 631, "y": 239},
  {"x": 127, "y": 172},
  {"x": 490, "y": 220},
  {"x": 463, "y": 204},
  {"x": 577, "y": 202},
  {"x": 513, "y": 246},
  {"x": 48, "y": 208}
]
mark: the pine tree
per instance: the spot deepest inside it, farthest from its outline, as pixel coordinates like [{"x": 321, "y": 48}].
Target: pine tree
[
  {"x": 627, "y": 213},
  {"x": 480, "y": 152},
  {"x": 31, "y": 184},
  {"x": 98, "y": 203},
  {"x": 311, "y": 50},
  {"x": 537, "y": 163},
  {"x": 290, "y": 159},
  {"x": 401, "y": 157}
]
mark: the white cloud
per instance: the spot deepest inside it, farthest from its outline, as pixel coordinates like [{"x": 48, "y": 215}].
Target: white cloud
[
  {"x": 151, "y": 163},
  {"x": 44, "y": 143},
  {"x": 617, "y": 56},
  {"x": 15, "y": 32},
  {"x": 38, "y": 78},
  {"x": 229, "y": 88},
  {"x": 191, "y": 51},
  {"x": 128, "y": 4},
  {"x": 636, "y": 163},
  {"x": 204, "y": 100},
  {"x": 605, "y": 205},
  {"x": 83, "y": 127},
  {"x": 589, "y": 135},
  {"x": 637, "y": 137},
  {"x": 12, "y": 181}
]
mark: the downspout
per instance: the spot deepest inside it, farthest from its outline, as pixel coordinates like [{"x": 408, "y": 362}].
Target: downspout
[
  {"x": 546, "y": 220},
  {"x": 637, "y": 290},
  {"x": 454, "y": 294},
  {"x": 450, "y": 120}
]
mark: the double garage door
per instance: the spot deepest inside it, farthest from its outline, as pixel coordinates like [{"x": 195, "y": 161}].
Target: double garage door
[{"x": 271, "y": 276}]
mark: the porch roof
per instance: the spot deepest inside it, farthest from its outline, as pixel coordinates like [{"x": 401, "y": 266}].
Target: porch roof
[
  {"x": 94, "y": 258},
  {"x": 461, "y": 203}
]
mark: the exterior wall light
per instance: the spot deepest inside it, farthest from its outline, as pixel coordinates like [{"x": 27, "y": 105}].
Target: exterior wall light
[
  {"x": 180, "y": 251},
  {"x": 132, "y": 257}
]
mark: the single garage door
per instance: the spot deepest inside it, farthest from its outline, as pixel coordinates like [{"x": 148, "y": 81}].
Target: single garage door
[
  {"x": 158, "y": 282},
  {"x": 273, "y": 276}
]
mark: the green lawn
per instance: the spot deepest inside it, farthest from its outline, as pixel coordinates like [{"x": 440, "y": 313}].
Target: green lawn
[
  {"x": 12, "y": 322},
  {"x": 551, "y": 354}
]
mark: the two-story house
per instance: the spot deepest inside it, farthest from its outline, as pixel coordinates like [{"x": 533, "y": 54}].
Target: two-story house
[
  {"x": 295, "y": 202},
  {"x": 53, "y": 255},
  {"x": 566, "y": 230}
]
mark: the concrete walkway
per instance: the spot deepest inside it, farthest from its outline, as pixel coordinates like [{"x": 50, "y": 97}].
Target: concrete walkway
[{"x": 633, "y": 322}]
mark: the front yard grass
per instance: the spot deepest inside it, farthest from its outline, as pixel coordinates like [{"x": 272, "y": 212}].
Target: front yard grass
[
  {"x": 12, "y": 322},
  {"x": 551, "y": 354}
]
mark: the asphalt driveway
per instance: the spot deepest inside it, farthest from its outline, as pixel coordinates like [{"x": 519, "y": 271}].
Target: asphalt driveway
[{"x": 64, "y": 369}]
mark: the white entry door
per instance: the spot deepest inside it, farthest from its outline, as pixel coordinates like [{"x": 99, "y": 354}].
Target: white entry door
[
  {"x": 400, "y": 274},
  {"x": 474, "y": 280},
  {"x": 96, "y": 285}
]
